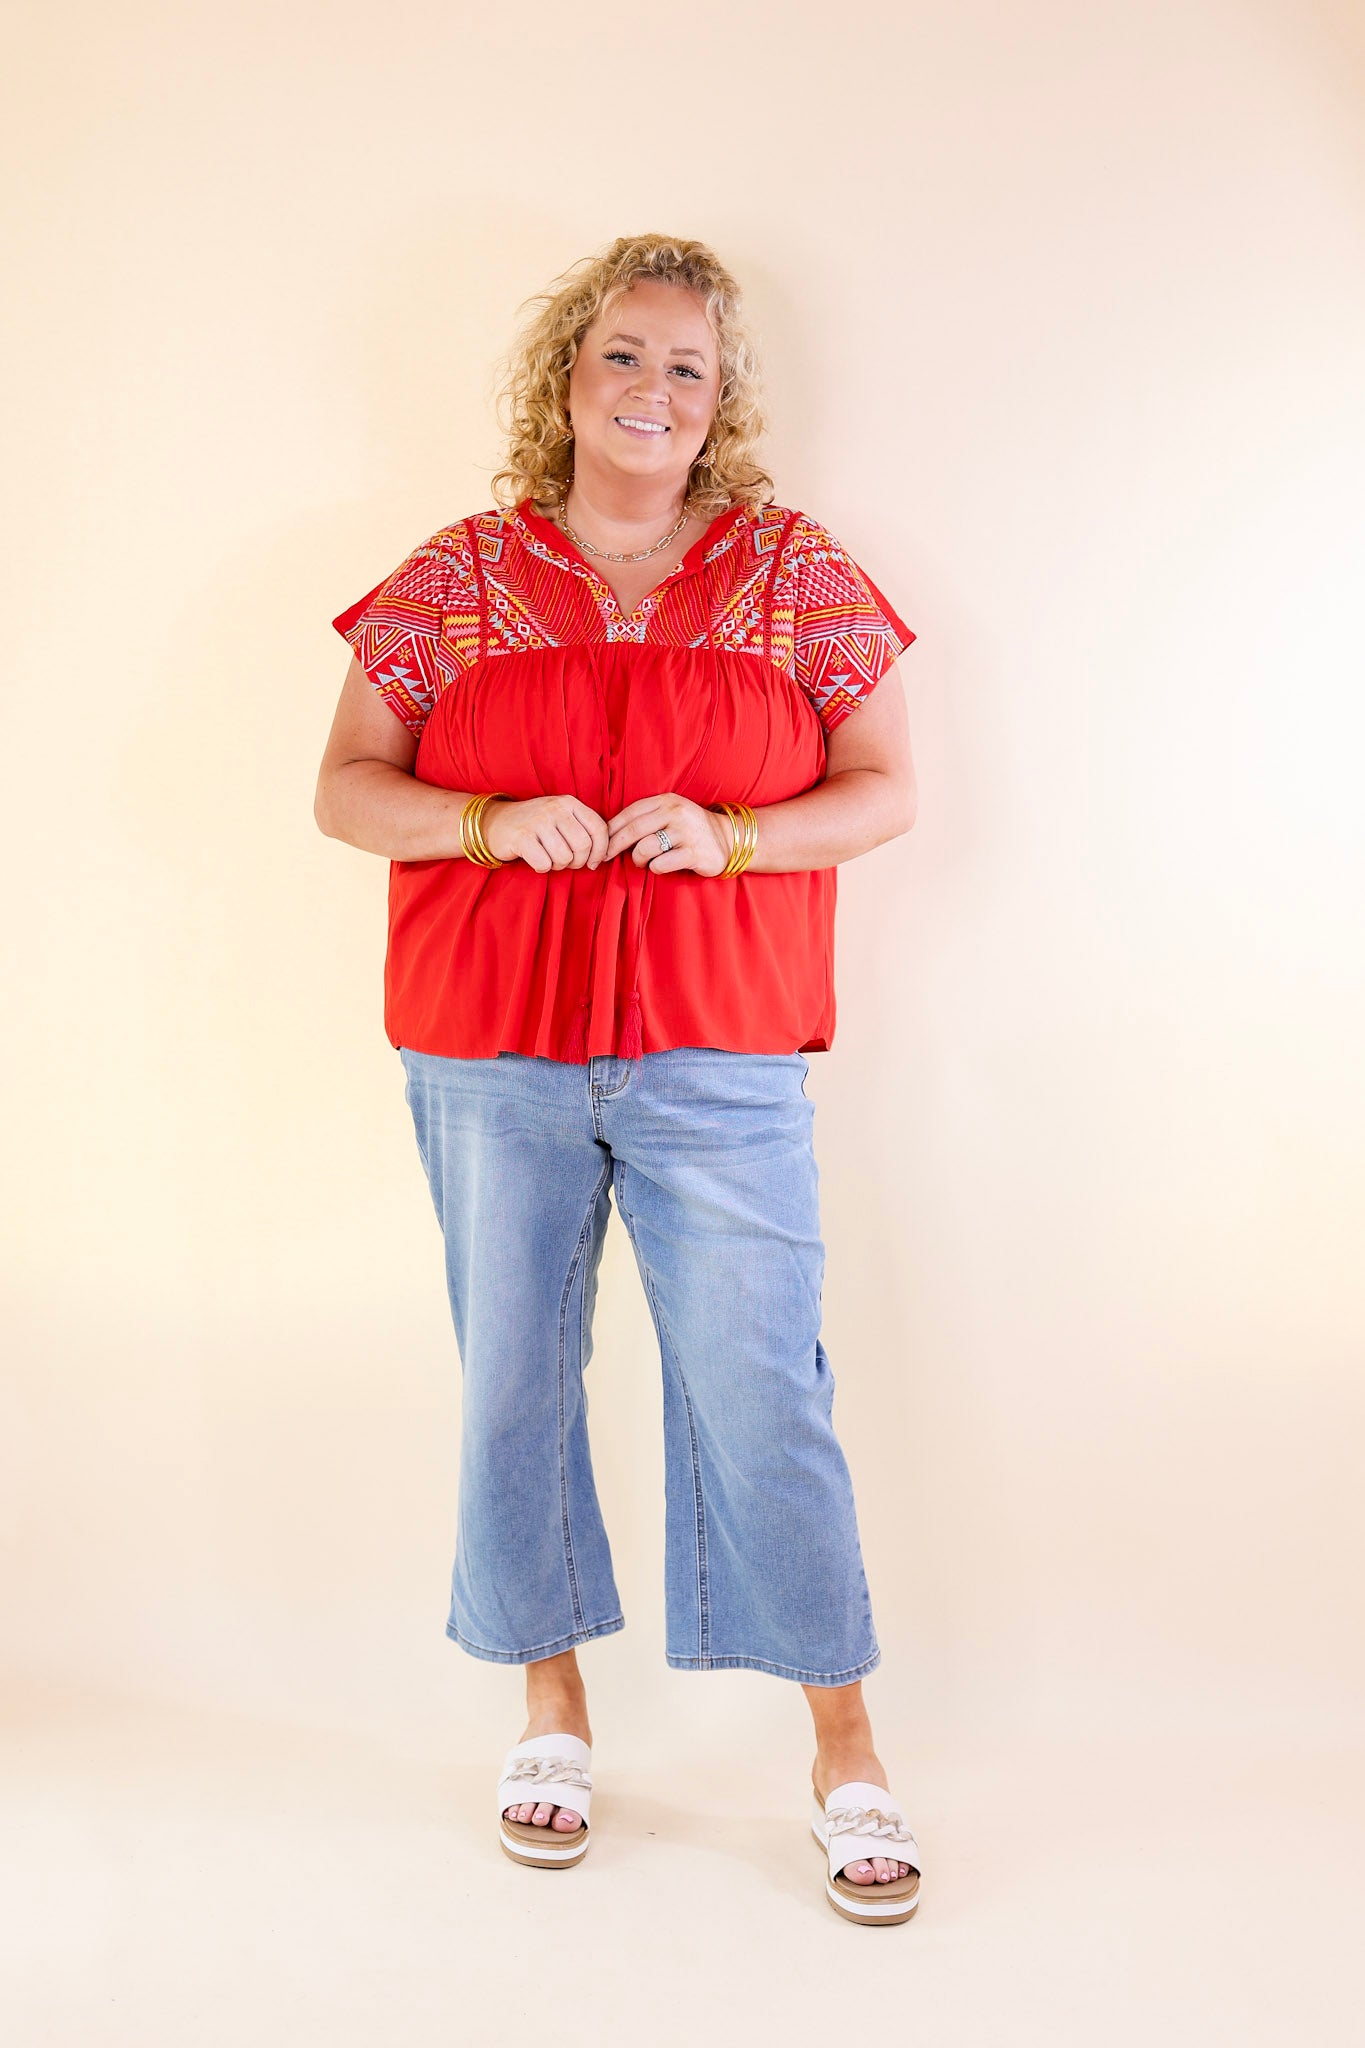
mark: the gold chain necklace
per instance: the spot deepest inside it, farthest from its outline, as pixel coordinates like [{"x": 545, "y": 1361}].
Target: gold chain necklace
[{"x": 602, "y": 554}]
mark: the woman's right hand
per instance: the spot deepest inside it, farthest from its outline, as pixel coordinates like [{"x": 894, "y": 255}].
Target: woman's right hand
[{"x": 545, "y": 831}]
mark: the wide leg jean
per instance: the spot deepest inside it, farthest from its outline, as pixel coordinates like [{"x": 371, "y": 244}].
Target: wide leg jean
[{"x": 709, "y": 1157}]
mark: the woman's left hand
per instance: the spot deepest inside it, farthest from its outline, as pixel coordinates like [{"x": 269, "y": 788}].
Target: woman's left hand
[{"x": 699, "y": 839}]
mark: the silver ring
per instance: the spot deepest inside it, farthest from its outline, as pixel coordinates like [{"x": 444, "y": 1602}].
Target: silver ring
[{"x": 665, "y": 842}]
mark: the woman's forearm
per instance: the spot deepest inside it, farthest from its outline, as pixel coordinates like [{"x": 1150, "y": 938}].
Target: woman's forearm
[
  {"x": 382, "y": 809},
  {"x": 847, "y": 814}
]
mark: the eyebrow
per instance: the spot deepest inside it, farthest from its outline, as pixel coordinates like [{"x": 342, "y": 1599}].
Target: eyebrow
[{"x": 636, "y": 342}]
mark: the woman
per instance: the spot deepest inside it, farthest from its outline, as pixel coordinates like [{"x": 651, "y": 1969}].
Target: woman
[{"x": 604, "y": 734}]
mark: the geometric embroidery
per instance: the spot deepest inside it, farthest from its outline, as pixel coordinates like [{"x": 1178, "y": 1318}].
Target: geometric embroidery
[{"x": 829, "y": 628}]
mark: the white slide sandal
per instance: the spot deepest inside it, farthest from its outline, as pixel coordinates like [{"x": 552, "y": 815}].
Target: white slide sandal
[
  {"x": 857, "y": 1822},
  {"x": 549, "y": 1769}
]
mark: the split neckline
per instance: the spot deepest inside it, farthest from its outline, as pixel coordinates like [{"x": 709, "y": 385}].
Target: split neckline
[{"x": 548, "y": 532}]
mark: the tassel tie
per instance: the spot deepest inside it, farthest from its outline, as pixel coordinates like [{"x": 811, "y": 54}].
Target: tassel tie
[
  {"x": 631, "y": 1034},
  {"x": 632, "y": 1030}
]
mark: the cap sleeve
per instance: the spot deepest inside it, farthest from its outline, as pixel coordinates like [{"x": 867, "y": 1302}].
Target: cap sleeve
[
  {"x": 846, "y": 634},
  {"x": 399, "y": 633}
]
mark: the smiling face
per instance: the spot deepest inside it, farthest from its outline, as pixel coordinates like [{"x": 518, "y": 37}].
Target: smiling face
[{"x": 643, "y": 388}]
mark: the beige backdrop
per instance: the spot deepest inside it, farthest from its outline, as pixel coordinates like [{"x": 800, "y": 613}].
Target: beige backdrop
[{"x": 1062, "y": 307}]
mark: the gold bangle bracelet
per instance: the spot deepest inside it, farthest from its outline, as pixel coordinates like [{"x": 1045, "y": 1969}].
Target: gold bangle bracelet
[
  {"x": 737, "y": 836},
  {"x": 729, "y": 812},
  {"x": 476, "y": 847},
  {"x": 744, "y": 834},
  {"x": 490, "y": 859},
  {"x": 746, "y": 853},
  {"x": 471, "y": 852}
]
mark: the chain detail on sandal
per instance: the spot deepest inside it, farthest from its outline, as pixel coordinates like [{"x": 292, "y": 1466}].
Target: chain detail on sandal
[
  {"x": 868, "y": 1820},
  {"x": 546, "y": 1770}
]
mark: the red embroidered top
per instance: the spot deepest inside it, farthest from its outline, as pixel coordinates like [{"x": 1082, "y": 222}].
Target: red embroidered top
[{"x": 498, "y": 644}]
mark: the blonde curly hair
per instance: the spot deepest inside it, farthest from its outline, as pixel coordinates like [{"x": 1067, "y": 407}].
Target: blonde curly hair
[{"x": 535, "y": 376}]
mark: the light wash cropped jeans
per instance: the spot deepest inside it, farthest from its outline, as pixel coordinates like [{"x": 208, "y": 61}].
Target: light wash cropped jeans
[{"x": 709, "y": 1155}]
